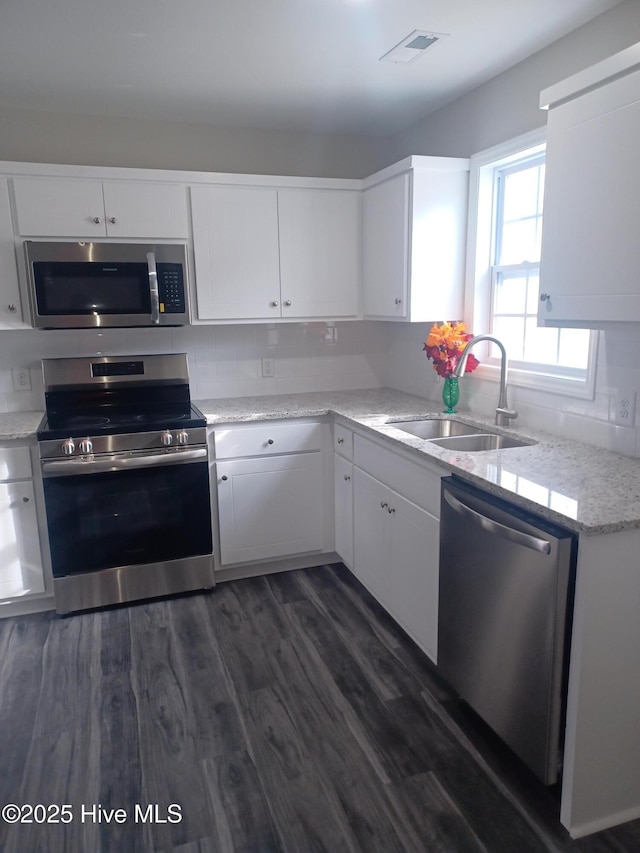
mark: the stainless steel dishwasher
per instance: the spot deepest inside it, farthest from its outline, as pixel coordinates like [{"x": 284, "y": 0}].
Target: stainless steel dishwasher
[{"x": 506, "y": 596}]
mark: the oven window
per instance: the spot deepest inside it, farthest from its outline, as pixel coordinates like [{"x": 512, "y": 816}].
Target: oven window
[
  {"x": 147, "y": 515},
  {"x": 88, "y": 288}
]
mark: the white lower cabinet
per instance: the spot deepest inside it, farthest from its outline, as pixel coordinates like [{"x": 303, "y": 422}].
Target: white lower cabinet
[
  {"x": 21, "y": 570},
  {"x": 397, "y": 546},
  {"x": 272, "y": 491},
  {"x": 343, "y": 495},
  {"x": 270, "y": 507}
]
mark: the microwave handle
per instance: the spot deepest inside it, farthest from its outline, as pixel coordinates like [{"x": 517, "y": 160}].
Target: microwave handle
[{"x": 153, "y": 288}]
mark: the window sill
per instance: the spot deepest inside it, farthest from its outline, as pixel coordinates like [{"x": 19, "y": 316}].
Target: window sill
[{"x": 583, "y": 389}]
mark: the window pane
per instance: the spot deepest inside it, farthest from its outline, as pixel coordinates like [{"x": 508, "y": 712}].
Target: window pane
[
  {"x": 574, "y": 347},
  {"x": 520, "y": 194},
  {"x": 541, "y": 344},
  {"x": 510, "y": 294},
  {"x": 533, "y": 292},
  {"x": 520, "y": 242},
  {"x": 510, "y": 331}
]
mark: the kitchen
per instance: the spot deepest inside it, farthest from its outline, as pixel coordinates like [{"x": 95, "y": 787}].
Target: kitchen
[{"x": 226, "y": 361}]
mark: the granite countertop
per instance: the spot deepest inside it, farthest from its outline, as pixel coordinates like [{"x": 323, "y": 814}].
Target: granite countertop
[
  {"x": 585, "y": 488},
  {"x": 19, "y": 425},
  {"x": 589, "y": 490}
]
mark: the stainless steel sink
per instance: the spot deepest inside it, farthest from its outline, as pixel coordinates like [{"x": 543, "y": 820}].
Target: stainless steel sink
[
  {"x": 457, "y": 435},
  {"x": 485, "y": 441},
  {"x": 431, "y": 428}
]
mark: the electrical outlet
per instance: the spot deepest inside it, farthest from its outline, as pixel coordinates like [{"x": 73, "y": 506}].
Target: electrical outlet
[
  {"x": 623, "y": 408},
  {"x": 268, "y": 368},
  {"x": 21, "y": 379}
]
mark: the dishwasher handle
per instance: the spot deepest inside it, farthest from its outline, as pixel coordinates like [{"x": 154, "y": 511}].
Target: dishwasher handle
[{"x": 491, "y": 526}]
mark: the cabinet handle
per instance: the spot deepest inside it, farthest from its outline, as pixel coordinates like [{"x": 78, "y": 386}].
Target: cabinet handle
[
  {"x": 287, "y": 302},
  {"x": 347, "y": 477},
  {"x": 398, "y": 301},
  {"x": 391, "y": 510},
  {"x": 113, "y": 220},
  {"x": 25, "y": 500},
  {"x": 383, "y": 504},
  {"x": 544, "y": 297},
  {"x": 11, "y": 307},
  {"x": 224, "y": 477},
  {"x": 96, "y": 219},
  {"x": 269, "y": 441},
  {"x": 341, "y": 441},
  {"x": 274, "y": 304}
]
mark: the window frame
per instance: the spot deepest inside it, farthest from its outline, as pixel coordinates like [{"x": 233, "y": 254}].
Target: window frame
[{"x": 481, "y": 251}]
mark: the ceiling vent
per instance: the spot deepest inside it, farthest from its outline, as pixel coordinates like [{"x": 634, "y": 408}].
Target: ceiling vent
[{"x": 412, "y": 47}]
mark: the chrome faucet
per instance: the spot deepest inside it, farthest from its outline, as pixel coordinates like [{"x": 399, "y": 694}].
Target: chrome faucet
[{"x": 503, "y": 413}]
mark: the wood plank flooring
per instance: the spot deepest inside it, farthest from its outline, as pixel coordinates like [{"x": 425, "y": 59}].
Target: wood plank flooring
[{"x": 282, "y": 713}]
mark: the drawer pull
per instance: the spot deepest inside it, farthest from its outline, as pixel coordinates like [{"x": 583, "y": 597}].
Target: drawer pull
[
  {"x": 384, "y": 504},
  {"x": 347, "y": 477},
  {"x": 341, "y": 441},
  {"x": 269, "y": 441}
]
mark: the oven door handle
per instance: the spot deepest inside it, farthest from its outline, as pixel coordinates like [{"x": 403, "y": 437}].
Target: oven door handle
[
  {"x": 119, "y": 462},
  {"x": 153, "y": 288}
]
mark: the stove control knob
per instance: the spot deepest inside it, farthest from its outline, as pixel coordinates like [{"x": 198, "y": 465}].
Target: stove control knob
[
  {"x": 183, "y": 437},
  {"x": 68, "y": 447},
  {"x": 86, "y": 446},
  {"x": 166, "y": 438}
]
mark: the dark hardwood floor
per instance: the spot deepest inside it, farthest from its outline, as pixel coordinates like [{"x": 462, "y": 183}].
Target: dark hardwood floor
[{"x": 279, "y": 713}]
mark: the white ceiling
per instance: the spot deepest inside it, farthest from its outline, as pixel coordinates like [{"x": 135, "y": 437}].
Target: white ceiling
[{"x": 282, "y": 64}]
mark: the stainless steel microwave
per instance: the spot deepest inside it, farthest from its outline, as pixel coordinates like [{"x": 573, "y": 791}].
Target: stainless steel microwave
[{"x": 106, "y": 285}]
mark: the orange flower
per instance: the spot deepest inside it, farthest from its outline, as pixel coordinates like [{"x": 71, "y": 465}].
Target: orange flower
[{"x": 444, "y": 346}]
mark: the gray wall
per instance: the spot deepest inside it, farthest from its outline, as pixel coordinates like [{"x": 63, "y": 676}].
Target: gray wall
[
  {"x": 507, "y": 105},
  {"x": 500, "y": 109},
  {"x": 38, "y": 137}
]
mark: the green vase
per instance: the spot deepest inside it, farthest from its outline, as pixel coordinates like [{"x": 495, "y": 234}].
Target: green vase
[{"x": 450, "y": 394}]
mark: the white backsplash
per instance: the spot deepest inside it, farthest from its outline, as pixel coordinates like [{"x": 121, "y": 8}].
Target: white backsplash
[
  {"x": 618, "y": 368},
  {"x": 224, "y": 361}
]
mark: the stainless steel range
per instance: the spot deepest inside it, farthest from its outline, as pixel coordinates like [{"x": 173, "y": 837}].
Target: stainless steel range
[{"x": 126, "y": 480}]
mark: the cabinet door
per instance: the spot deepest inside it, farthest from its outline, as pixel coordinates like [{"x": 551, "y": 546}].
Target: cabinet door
[
  {"x": 371, "y": 555},
  {"x": 386, "y": 248},
  {"x": 412, "y": 598},
  {"x": 21, "y": 570},
  {"x": 343, "y": 491},
  {"x": 235, "y": 243},
  {"x": 145, "y": 211},
  {"x": 319, "y": 252},
  {"x": 590, "y": 246},
  {"x": 10, "y": 311},
  {"x": 58, "y": 207},
  {"x": 270, "y": 507}
]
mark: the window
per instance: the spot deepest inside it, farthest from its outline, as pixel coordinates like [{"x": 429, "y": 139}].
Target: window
[{"x": 507, "y": 195}]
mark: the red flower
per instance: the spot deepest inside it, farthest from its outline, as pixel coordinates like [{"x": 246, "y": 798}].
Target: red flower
[{"x": 444, "y": 346}]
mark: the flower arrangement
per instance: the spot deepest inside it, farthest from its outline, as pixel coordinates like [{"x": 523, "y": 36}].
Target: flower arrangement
[{"x": 444, "y": 346}]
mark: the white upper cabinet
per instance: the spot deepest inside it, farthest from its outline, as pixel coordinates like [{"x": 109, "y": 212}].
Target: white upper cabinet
[
  {"x": 10, "y": 311},
  {"x": 414, "y": 234},
  {"x": 67, "y": 207},
  {"x": 235, "y": 245},
  {"x": 319, "y": 252},
  {"x": 270, "y": 253},
  {"x": 590, "y": 268}
]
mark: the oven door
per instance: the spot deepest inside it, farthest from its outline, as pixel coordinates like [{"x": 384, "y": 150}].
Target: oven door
[{"x": 125, "y": 510}]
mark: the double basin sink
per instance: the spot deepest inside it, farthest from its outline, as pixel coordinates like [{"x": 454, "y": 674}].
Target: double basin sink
[{"x": 457, "y": 435}]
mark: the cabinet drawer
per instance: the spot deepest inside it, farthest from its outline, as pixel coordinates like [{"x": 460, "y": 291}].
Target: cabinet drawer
[
  {"x": 15, "y": 463},
  {"x": 267, "y": 440},
  {"x": 413, "y": 480},
  {"x": 343, "y": 441}
]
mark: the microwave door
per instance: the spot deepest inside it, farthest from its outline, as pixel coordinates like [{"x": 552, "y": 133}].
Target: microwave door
[{"x": 153, "y": 288}]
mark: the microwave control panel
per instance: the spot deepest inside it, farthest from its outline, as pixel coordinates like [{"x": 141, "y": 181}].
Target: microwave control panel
[{"x": 171, "y": 288}]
